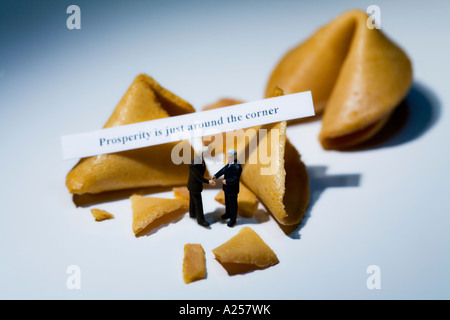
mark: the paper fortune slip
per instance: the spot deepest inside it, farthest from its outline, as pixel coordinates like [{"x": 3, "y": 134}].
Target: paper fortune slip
[{"x": 188, "y": 126}]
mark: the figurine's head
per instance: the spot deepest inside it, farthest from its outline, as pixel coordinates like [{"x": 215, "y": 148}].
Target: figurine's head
[
  {"x": 200, "y": 154},
  {"x": 231, "y": 155},
  {"x": 204, "y": 151}
]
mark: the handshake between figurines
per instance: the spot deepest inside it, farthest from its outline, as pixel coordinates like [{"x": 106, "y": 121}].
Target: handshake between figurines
[{"x": 212, "y": 181}]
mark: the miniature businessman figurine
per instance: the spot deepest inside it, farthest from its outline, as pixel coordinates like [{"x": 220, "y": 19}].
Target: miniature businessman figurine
[
  {"x": 232, "y": 173},
  {"x": 197, "y": 169}
]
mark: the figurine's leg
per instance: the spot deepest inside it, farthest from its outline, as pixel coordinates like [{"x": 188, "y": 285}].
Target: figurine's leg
[
  {"x": 199, "y": 210},
  {"x": 227, "y": 208},
  {"x": 192, "y": 213},
  {"x": 232, "y": 201}
]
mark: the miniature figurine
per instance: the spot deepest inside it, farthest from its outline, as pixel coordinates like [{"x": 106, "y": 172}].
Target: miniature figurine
[
  {"x": 232, "y": 173},
  {"x": 197, "y": 170}
]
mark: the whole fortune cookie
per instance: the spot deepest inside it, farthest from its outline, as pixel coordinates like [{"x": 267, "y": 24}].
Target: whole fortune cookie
[{"x": 357, "y": 77}]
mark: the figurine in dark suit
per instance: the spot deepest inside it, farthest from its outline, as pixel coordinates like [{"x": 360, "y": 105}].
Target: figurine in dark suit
[
  {"x": 197, "y": 170},
  {"x": 232, "y": 173}
]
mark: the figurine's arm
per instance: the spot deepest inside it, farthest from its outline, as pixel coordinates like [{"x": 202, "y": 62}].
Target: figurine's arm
[
  {"x": 219, "y": 173},
  {"x": 198, "y": 176}
]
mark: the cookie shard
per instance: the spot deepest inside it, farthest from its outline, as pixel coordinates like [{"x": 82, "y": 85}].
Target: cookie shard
[
  {"x": 357, "y": 77},
  {"x": 245, "y": 249},
  {"x": 194, "y": 265},
  {"x": 247, "y": 201},
  {"x": 101, "y": 215},
  {"x": 148, "y": 210},
  {"x": 152, "y": 166}
]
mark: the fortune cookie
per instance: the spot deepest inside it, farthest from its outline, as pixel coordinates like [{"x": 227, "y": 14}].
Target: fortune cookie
[
  {"x": 357, "y": 77},
  {"x": 280, "y": 181},
  {"x": 145, "y": 167}
]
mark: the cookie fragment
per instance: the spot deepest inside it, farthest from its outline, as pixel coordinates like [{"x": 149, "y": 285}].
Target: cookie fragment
[
  {"x": 149, "y": 210},
  {"x": 245, "y": 252},
  {"x": 194, "y": 265},
  {"x": 101, "y": 215}
]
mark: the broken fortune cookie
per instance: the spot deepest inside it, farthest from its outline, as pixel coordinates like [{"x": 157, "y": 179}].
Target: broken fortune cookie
[
  {"x": 151, "y": 166},
  {"x": 282, "y": 185}
]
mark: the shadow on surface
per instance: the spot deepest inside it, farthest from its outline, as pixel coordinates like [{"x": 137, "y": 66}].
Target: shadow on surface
[
  {"x": 162, "y": 222},
  {"x": 319, "y": 181},
  {"x": 417, "y": 113},
  {"x": 259, "y": 216},
  {"x": 88, "y": 199},
  {"x": 239, "y": 268}
]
